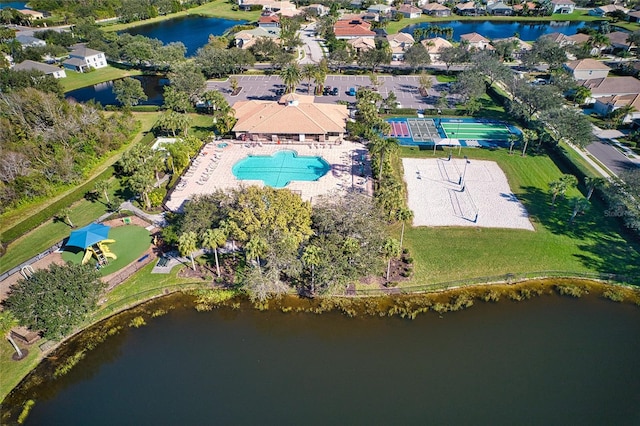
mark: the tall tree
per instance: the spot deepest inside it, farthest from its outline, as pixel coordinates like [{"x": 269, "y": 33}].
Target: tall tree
[
  {"x": 65, "y": 215},
  {"x": 214, "y": 239},
  {"x": 129, "y": 91},
  {"x": 579, "y": 205},
  {"x": 57, "y": 299},
  {"x": 592, "y": 183},
  {"x": 291, "y": 77},
  {"x": 7, "y": 322},
  {"x": 417, "y": 56},
  {"x": 404, "y": 214},
  {"x": 383, "y": 147},
  {"x": 102, "y": 186},
  {"x": 390, "y": 249},
  {"x": 187, "y": 245},
  {"x": 561, "y": 185},
  {"x": 311, "y": 258},
  {"x": 307, "y": 73},
  {"x": 528, "y": 136}
]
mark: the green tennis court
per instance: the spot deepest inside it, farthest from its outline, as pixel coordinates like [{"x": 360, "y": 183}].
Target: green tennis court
[{"x": 477, "y": 131}]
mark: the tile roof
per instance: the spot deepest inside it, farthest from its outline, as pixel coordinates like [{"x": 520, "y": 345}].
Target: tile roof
[
  {"x": 433, "y": 45},
  {"x": 84, "y": 52},
  {"x": 612, "y": 85},
  {"x": 586, "y": 64},
  {"x": 467, "y": 5},
  {"x": 579, "y": 38},
  {"x": 618, "y": 101},
  {"x": 434, "y": 6},
  {"x": 304, "y": 118},
  {"x": 474, "y": 38},
  {"x": 619, "y": 38},
  {"x": 562, "y": 2},
  {"x": 353, "y": 27},
  {"x": 29, "y": 65}
]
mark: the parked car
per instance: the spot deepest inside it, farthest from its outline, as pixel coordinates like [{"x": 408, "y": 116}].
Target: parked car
[
  {"x": 334, "y": 91},
  {"x": 352, "y": 91},
  {"x": 326, "y": 90}
]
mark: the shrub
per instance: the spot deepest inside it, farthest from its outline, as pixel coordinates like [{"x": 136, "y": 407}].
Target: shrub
[
  {"x": 137, "y": 322},
  {"x": 570, "y": 290},
  {"x": 613, "y": 294},
  {"x": 492, "y": 295}
]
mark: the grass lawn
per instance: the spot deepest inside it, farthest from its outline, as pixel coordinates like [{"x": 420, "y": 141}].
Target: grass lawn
[
  {"x": 592, "y": 244},
  {"x": 217, "y": 9},
  {"x": 130, "y": 243},
  {"x": 446, "y": 78},
  {"x": 76, "y": 80},
  {"x": 14, "y": 371}
]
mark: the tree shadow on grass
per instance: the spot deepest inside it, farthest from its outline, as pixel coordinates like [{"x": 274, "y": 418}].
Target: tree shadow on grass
[{"x": 605, "y": 244}]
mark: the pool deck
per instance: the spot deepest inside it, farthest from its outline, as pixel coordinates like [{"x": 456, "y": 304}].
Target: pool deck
[{"x": 343, "y": 176}]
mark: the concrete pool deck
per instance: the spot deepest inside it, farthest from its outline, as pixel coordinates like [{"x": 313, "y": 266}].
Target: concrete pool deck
[
  {"x": 211, "y": 170},
  {"x": 484, "y": 199}
]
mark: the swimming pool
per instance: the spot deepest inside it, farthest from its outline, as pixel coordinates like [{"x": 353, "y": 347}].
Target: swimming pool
[{"x": 279, "y": 169}]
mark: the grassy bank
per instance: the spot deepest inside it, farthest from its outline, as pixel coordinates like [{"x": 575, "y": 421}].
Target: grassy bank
[
  {"x": 215, "y": 9},
  {"x": 578, "y": 15},
  {"x": 77, "y": 80}
]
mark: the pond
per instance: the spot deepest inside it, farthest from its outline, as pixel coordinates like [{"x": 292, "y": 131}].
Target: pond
[
  {"x": 528, "y": 31},
  {"x": 152, "y": 85},
  {"x": 13, "y": 4},
  {"x": 192, "y": 31},
  {"x": 550, "y": 360}
]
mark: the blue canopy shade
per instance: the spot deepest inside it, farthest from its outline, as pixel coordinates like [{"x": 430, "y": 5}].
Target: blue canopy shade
[{"x": 89, "y": 235}]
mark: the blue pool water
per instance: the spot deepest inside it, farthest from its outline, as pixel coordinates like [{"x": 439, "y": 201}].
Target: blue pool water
[{"x": 279, "y": 169}]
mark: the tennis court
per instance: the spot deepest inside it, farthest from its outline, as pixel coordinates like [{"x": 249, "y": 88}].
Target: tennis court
[{"x": 496, "y": 132}]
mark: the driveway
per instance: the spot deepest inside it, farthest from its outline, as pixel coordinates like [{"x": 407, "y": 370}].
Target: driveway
[
  {"x": 261, "y": 87},
  {"x": 311, "y": 45}
]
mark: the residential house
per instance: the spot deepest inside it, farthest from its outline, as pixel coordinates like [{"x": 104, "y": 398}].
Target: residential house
[
  {"x": 499, "y": 9},
  {"x": 525, "y": 8},
  {"x": 29, "y": 65},
  {"x": 246, "y": 38},
  {"x": 293, "y": 119},
  {"x": 380, "y": 9},
  {"x": 633, "y": 16},
  {"x": 581, "y": 39},
  {"x": 354, "y": 28},
  {"x": 519, "y": 46},
  {"x": 399, "y": 44},
  {"x": 433, "y": 46},
  {"x": 602, "y": 11},
  {"x": 284, "y": 7},
  {"x": 607, "y": 104},
  {"x": 436, "y": 9},
  {"x": 29, "y": 41},
  {"x": 318, "y": 9},
  {"x": 361, "y": 44},
  {"x": 409, "y": 11},
  {"x": 269, "y": 21},
  {"x": 83, "y": 59},
  {"x": 468, "y": 9},
  {"x": 611, "y": 86},
  {"x": 32, "y": 14},
  {"x": 476, "y": 41},
  {"x": 563, "y": 6},
  {"x": 618, "y": 40},
  {"x": 585, "y": 69},
  {"x": 561, "y": 39}
]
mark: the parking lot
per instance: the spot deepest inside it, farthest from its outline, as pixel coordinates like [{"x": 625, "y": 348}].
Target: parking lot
[{"x": 261, "y": 87}]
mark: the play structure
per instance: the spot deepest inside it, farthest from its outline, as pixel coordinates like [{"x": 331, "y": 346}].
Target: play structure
[
  {"x": 93, "y": 239},
  {"x": 100, "y": 251}
]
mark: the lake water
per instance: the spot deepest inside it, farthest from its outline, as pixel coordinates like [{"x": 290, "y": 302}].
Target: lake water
[
  {"x": 548, "y": 361},
  {"x": 153, "y": 87},
  {"x": 528, "y": 31},
  {"x": 13, "y": 4},
  {"x": 192, "y": 31}
]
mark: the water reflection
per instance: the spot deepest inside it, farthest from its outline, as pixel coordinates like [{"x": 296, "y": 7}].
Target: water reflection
[{"x": 102, "y": 93}]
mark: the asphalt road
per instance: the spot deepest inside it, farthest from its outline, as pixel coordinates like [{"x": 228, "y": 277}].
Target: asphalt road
[{"x": 610, "y": 157}]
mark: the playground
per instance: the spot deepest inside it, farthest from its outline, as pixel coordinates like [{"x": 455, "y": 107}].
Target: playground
[
  {"x": 462, "y": 192},
  {"x": 127, "y": 243},
  {"x": 464, "y": 132}
]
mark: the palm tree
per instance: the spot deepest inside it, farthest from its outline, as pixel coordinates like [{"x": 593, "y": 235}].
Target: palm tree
[
  {"x": 383, "y": 146},
  {"x": 7, "y": 322},
  {"x": 320, "y": 75},
  {"x": 187, "y": 245},
  {"x": 560, "y": 186},
  {"x": 403, "y": 214},
  {"x": 254, "y": 248},
  {"x": 103, "y": 186},
  {"x": 592, "y": 183},
  {"x": 308, "y": 72},
  {"x": 65, "y": 214},
  {"x": 528, "y": 136},
  {"x": 390, "y": 249},
  {"x": 311, "y": 257},
  {"x": 233, "y": 82},
  {"x": 291, "y": 77},
  {"x": 425, "y": 82},
  {"x": 579, "y": 205},
  {"x": 214, "y": 239}
]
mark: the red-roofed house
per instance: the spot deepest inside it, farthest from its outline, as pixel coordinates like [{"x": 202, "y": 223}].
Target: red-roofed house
[
  {"x": 269, "y": 21},
  {"x": 348, "y": 29}
]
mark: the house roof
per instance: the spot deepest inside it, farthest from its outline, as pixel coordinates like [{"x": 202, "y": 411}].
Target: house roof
[
  {"x": 619, "y": 101},
  {"x": 362, "y": 43},
  {"x": 29, "y": 65},
  {"x": 25, "y": 39},
  {"x": 429, "y": 7},
  {"x": 608, "y": 8},
  {"x": 619, "y": 38},
  {"x": 30, "y": 12},
  {"x": 401, "y": 38},
  {"x": 380, "y": 7},
  {"x": 579, "y": 38},
  {"x": 304, "y": 118},
  {"x": 84, "y": 52},
  {"x": 407, "y": 8},
  {"x": 586, "y": 64},
  {"x": 563, "y": 2},
  {"x": 612, "y": 85},
  {"x": 76, "y": 62},
  {"x": 474, "y": 38},
  {"x": 557, "y": 37},
  {"x": 530, "y": 5},
  {"x": 522, "y": 45},
  {"x": 353, "y": 28},
  {"x": 433, "y": 45},
  {"x": 498, "y": 5},
  {"x": 635, "y": 14},
  {"x": 466, "y": 6},
  {"x": 275, "y": 19}
]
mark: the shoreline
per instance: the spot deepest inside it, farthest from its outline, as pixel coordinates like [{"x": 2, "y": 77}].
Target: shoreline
[{"x": 438, "y": 300}]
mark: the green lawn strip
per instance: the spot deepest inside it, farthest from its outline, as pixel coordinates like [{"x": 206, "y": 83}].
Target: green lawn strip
[
  {"x": 576, "y": 160},
  {"x": 14, "y": 371},
  {"x": 594, "y": 243},
  {"x": 217, "y": 9},
  {"x": 77, "y": 80},
  {"x": 444, "y": 78},
  {"x": 130, "y": 243}
]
